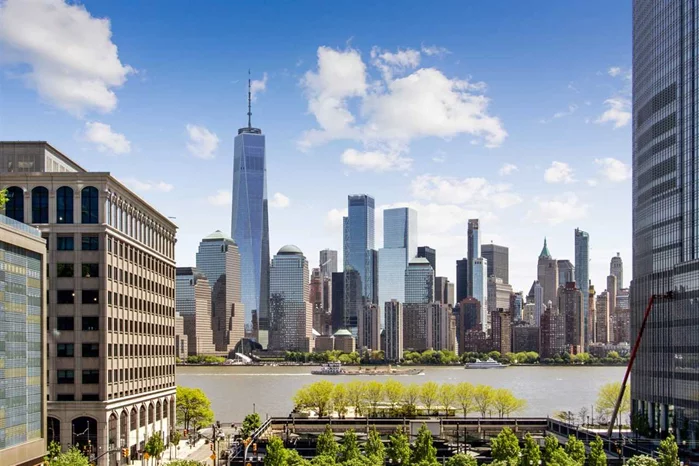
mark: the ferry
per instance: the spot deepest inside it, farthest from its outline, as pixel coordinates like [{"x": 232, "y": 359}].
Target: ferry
[
  {"x": 335, "y": 368},
  {"x": 489, "y": 364}
]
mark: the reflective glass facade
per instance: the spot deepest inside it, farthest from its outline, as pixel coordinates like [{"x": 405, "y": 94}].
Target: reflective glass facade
[
  {"x": 400, "y": 245},
  {"x": 250, "y": 228},
  {"x": 358, "y": 241},
  {"x": 479, "y": 272},
  {"x": 498, "y": 258},
  {"x": 474, "y": 251},
  {"x": 419, "y": 282},
  {"x": 582, "y": 275},
  {"x": 665, "y": 199}
]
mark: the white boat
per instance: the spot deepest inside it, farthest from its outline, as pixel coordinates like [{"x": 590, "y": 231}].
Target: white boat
[{"x": 489, "y": 364}]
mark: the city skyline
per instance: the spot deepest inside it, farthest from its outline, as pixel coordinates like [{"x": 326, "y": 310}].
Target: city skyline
[{"x": 178, "y": 154}]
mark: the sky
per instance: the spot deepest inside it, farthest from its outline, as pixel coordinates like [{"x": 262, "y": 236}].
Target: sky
[{"x": 516, "y": 113}]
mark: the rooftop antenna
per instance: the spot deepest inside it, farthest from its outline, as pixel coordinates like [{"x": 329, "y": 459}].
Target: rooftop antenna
[{"x": 249, "y": 100}]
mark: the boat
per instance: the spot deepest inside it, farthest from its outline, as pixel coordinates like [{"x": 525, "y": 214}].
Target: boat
[
  {"x": 336, "y": 368},
  {"x": 489, "y": 364}
]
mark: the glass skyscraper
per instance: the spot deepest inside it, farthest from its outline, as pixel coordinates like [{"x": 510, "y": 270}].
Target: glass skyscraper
[
  {"x": 479, "y": 284},
  {"x": 249, "y": 225},
  {"x": 582, "y": 276},
  {"x": 358, "y": 241},
  {"x": 665, "y": 201},
  {"x": 400, "y": 245},
  {"x": 474, "y": 251},
  {"x": 419, "y": 282}
]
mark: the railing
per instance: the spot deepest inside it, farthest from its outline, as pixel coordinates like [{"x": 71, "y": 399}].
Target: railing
[{"x": 23, "y": 227}]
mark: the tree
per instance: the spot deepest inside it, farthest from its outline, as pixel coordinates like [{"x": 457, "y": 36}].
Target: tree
[
  {"x": 423, "y": 451},
  {"x": 316, "y": 397},
  {"x": 505, "y": 446},
  {"x": 323, "y": 460},
  {"x": 72, "y": 457},
  {"x": 193, "y": 408},
  {"x": 3, "y": 199},
  {"x": 551, "y": 446},
  {"x": 642, "y": 460},
  {"x": 155, "y": 446},
  {"x": 461, "y": 459},
  {"x": 398, "y": 451},
  {"x": 175, "y": 437},
  {"x": 505, "y": 403},
  {"x": 276, "y": 453},
  {"x": 531, "y": 454},
  {"x": 294, "y": 458},
  {"x": 53, "y": 450},
  {"x": 668, "y": 452},
  {"x": 251, "y": 423},
  {"x": 374, "y": 448},
  {"x": 411, "y": 396},
  {"x": 374, "y": 394},
  {"x": 447, "y": 395},
  {"x": 597, "y": 455},
  {"x": 356, "y": 396},
  {"x": 184, "y": 463},
  {"x": 428, "y": 395},
  {"x": 326, "y": 444},
  {"x": 349, "y": 450},
  {"x": 483, "y": 398},
  {"x": 576, "y": 450},
  {"x": 340, "y": 400},
  {"x": 394, "y": 392},
  {"x": 606, "y": 399},
  {"x": 464, "y": 397}
]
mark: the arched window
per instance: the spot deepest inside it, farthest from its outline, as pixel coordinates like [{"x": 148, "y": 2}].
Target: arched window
[
  {"x": 15, "y": 203},
  {"x": 40, "y": 205},
  {"x": 64, "y": 205},
  {"x": 90, "y": 205}
]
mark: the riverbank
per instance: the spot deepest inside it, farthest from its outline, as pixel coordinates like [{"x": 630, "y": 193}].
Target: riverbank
[{"x": 315, "y": 364}]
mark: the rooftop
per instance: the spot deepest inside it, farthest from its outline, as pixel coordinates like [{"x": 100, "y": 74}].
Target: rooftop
[
  {"x": 218, "y": 235},
  {"x": 290, "y": 249},
  {"x": 343, "y": 332}
]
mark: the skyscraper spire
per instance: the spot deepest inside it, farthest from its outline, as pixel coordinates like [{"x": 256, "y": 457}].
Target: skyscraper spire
[
  {"x": 545, "y": 251},
  {"x": 249, "y": 100}
]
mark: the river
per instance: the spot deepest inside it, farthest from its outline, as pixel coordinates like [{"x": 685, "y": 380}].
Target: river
[{"x": 235, "y": 390}]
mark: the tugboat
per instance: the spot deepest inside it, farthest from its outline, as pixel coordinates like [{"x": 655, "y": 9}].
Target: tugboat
[
  {"x": 335, "y": 368},
  {"x": 489, "y": 364}
]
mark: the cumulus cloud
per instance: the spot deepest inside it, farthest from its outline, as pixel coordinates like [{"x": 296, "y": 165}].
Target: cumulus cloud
[
  {"x": 73, "y": 62},
  {"x": 279, "y": 201},
  {"x": 257, "y": 86},
  {"x": 390, "y": 63},
  {"x": 222, "y": 197},
  {"x": 202, "y": 142},
  {"x": 467, "y": 191},
  {"x": 614, "y": 71},
  {"x": 105, "y": 139},
  {"x": 142, "y": 186},
  {"x": 565, "y": 208},
  {"x": 618, "y": 112},
  {"x": 432, "y": 50},
  {"x": 333, "y": 220},
  {"x": 613, "y": 170},
  {"x": 375, "y": 160},
  {"x": 559, "y": 172},
  {"x": 507, "y": 169}
]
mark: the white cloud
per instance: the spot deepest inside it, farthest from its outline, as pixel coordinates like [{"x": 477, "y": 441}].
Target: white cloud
[
  {"x": 559, "y": 172},
  {"x": 475, "y": 192},
  {"x": 222, "y": 197},
  {"x": 431, "y": 50},
  {"x": 333, "y": 220},
  {"x": 376, "y": 160},
  {"x": 507, "y": 169},
  {"x": 202, "y": 142},
  {"x": 618, "y": 112},
  {"x": 390, "y": 63},
  {"x": 571, "y": 109},
  {"x": 614, "y": 71},
  {"x": 141, "y": 186},
  {"x": 257, "y": 86},
  {"x": 439, "y": 158},
  {"x": 555, "y": 211},
  {"x": 279, "y": 201},
  {"x": 73, "y": 62},
  {"x": 106, "y": 140},
  {"x": 617, "y": 71},
  {"x": 613, "y": 170},
  {"x": 591, "y": 182}
]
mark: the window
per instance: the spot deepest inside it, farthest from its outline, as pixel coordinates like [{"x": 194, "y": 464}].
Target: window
[
  {"x": 91, "y": 270},
  {"x": 64, "y": 205},
  {"x": 15, "y": 203},
  {"x": 66, "y": 377},
  {"x": 65, "y": 297},
  {"x": 65, "y": 323},
  {"x": 90, "y": 296},
  {"x": 91, "y": 396},
  {"x": 40, "y": 205},
  {"x": 91, "y": 350},
  {"x": 64, "y": 270},
  {"x": 91, "y": 376},
  {"x": 89, "y": 204},
  {"x": 65, "y": 397},
  {"x": 91, "y": 323},
  {"x": 90, "y": 243},
  {"x": 65, "y": 243},
  {"x": 65, "y": 350}
]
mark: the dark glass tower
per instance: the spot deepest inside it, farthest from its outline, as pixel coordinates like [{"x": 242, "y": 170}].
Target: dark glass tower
[
  {"x": 665, "y": 201},
  {"x": 249, "y": 224},
  {"x": 358, "y": 242}
]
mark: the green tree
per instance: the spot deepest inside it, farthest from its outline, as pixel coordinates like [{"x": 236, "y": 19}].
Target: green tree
[
  {"x": 374, "y": 394},
  {"x": 398, "y": 451},
  {"x": 326, "y": 444},
  {"x": 53, "y": 450},
  {"x": 464, "y": 397},
  {"x": 505, "y": 446},
  {"x": 411, "y": 395},
  {"x": 461, "y": 459},
  {"x": 423, "y": 450},
  {"x": 276, "y": 453},
  {"x": 642, "y": 460},
  {"x": 316, "y": 397},
  {"x": 251, "y": 423},
  {"x": 606, "y": 399},
  {"x": 374, "y": 448},
  {"x": 155, "y": 446},
  {"x": 184, "y": 463},
  {"x": 597, "y": 455},
  {"x": 531, "y": 453},
  {"x": 340, "y": 399},
  {"x": 505, "y": 403},
  {"x": 323, "y": 460},
  {"x": 447, "y": 396},
  {"x": 294, "y": 458},
  {"x": 175, "y": 437},
  {"x": 3, "y": 199},
  {"x": 668, "y": 454},
  {"x": 483, "y": 398},
  {"x": 193, "y": 408},
  {"x": 349, "y": 450},
  {"x": 394, "y": 391},
  {"x": 428, "y": 395},
  {"x": 356, "y": 396},
  {"x": 551, "y": 446},
  {"x": 576, "y": 450},
  {"x": 72, "y": 457}
]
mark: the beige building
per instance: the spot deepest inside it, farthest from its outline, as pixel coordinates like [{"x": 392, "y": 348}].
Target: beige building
[
  {"x": 416, "y": 326},
  {"x": 602, "y": 334},
  {"x": 393, "y": 320},
  {"x": 111, "y": 300},
  {"x": 193, "y": 303},
  {"x": 181, "y": 340},
  {"x": 344, "y": 341},
  {"x": 547, "y": 275},
  {"x": 369, "y": 328},
  {"x": 23, "y": 301}
]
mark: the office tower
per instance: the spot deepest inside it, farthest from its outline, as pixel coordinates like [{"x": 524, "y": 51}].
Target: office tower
[
  {"x": 539, "y": 305},
  {"x": 498, "y": 261},
  {"x": 461, "y": 279},
  {"x": 499, "y": 294},
  {"x": 602, "y": 318},
  {"x": 529, "y": 314},
  {"x": 250, "y": 224},
  {"x": 616, "y": 268},
  {"x": 358, "y": 241},
  {"x": 547, "y": 275},
  {"x": 193, "y": 303},
  {"x": 399, "y": 245},
  {"x": 591, "y": 327},
  {"x": 393, "y": 327},
  {"x": 612, "y": 289},
  {"x": 328, "y": 262},
  {"x": 622, "y": 299},
  {"x": 419, "y": 281},
  {"x": 449, "y": 294},
  {"x": 338, "y": 318},
  {"x": 346, "y": 300},
  {"x": 473, "y": 251},
  {"x": 620, "y": 326},
  {"x": 570, "y": 304},
  {"x": 566, "y": 272},
  {"x": 480, "y": 288},
  {"x": 582, "y": 271},
  {"x": 524, "y": 338},
  {"x": 291, "y": 314},
  {"x": 502, "y": 331},
  {"x": 374, "y": 279},
  {"x": 321, "y": 313},
  {"x": 181, "y": 340},
  {"x": 22, "y": 315},
  {"x": 218, "y": 259},
  {"x": 429, "y": 254},
  {"x": 441, "y": 290},
  {"x": 441, "y": 327},
  {"x": 369, "y": 328},
  {"x": 416, "y": 326},
  {"x": 111, "y": 278},
  {"x": 552, "y": 333},
  {"x": 517, "y": 305}
]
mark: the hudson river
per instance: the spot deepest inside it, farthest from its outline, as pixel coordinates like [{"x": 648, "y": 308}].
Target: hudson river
[{"x": 234, "y": 389}]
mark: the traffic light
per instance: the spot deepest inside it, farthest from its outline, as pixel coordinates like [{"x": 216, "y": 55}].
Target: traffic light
[
  {"x": 211, "y": 445},
  {"x": 125, "y": 452}
]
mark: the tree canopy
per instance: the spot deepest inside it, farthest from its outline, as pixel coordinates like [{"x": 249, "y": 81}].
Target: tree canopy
[
  {"x": 668, "y": 452},
  {"x": 606, "y": 399},
  {"x": 72, "y": 457},
  {"x": 505, "y": 446},
  {"x": 251, "y": 423},
  {"x": 423, "y": 450},
  {"x": 193, "y": 408}
]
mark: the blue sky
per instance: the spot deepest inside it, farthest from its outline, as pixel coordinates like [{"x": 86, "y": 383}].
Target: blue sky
[{"x": 514, "y": 112}]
